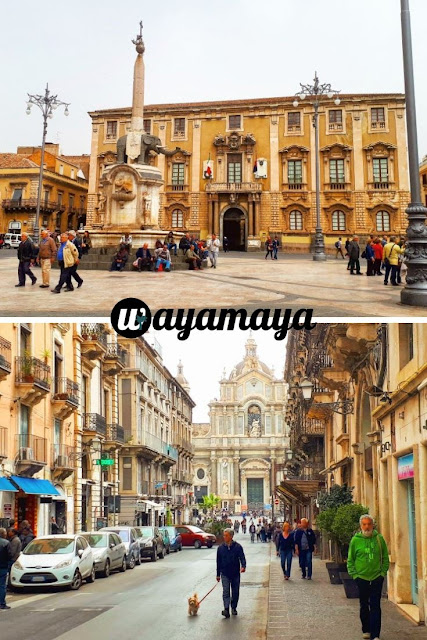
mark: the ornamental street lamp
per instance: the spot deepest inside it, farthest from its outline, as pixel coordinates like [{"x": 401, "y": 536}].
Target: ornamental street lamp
[
  {"x": 47, "y": 105},
  {"x": 415, "y": 291},
  {"x": 343, "y": 407},
  {"x": 317, "y": 91}
]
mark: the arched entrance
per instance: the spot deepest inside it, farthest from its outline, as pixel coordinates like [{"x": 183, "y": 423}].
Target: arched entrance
[{"x": 234, "y": 228}]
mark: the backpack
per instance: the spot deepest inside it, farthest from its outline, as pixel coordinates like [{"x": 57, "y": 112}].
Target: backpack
[{"x": 337, "y": 244}]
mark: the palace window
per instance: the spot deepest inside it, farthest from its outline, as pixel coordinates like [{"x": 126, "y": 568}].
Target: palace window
[
  {"x": 338, "y": 221},
  {"x": 294, "y": 122},
  {"x": 234, "y": 167},
  {"x": 380, "y": 172},
  {"x": 147, "y": 125},
  {"x": 17, "y": 194},
  {"x": 234, "y": 122},
  {"x": 127, "y": 474},
  {"x": 295, "y": 172},
  {"x": 378, "y": 118},
  {"x": 111, "y": 129},
  {"x": 295, "y": 221},
  {"x": 335, "y": 120},
  {"x": 177, "y": 219},
  {"x": 383, "y": 221},
  {"x": 178, "y": 173},
  {"x": 336, "y": 171},
  {"x": 179, "y": 128}
]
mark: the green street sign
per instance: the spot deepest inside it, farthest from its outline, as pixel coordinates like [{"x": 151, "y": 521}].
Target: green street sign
[{"x": 105, "y": 462}]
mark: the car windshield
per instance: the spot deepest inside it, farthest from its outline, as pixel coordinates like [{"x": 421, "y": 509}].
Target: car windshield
[
  {"x": 123, "y": 533},
  {"x": 171, "y": 531},
  {"x": 147, "y": 531},
  {"x": 96, "y": 540},
  {"x": 49, "y": 545},
  {"x": 196, "y": 530}
]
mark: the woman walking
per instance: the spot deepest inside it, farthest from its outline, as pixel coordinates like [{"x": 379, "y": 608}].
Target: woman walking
[
  {"x": 370, "y": 259},
  {"x": 285, "y": 546},
  {"x": 269, "y": 247}
]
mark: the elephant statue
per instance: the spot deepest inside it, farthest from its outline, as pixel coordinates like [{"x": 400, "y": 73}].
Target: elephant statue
[{"x": 148, "y": 143}]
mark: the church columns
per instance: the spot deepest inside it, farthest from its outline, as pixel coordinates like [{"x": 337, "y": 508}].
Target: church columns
[
  {"x": 216, "y": 217},
  {"x": 236, "y": 479},
  {"x": 257, "y": 214},
  {"x": 214, "y": 476}
]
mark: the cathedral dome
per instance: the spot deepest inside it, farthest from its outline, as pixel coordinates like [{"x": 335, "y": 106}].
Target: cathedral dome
[{"x": 251, "y": 362}]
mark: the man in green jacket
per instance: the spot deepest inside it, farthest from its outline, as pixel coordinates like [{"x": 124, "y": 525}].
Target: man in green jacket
[{"x": 368, "y": 564}]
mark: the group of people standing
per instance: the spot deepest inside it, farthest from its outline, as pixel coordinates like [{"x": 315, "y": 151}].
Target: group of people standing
[
  {"x": 384, "y": 257},
  {"x": 12, "y": 542},
  {"x": 67, "y": 248}
]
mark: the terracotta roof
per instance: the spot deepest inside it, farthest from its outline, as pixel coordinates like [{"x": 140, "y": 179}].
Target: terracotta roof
[
  {"x": 249, "y": 101},
  {"x": 16, "y": 161},
  {"x": 82, "y": 162}
]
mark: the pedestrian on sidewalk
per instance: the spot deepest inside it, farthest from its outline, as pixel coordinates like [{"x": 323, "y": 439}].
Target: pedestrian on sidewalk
[
  {"x": 354, "y": 253},
  {"x": 14, "y": 548},
  {"x": 338, "y": 247},
  {"x": 4, "y": 567},
  {"x": 252, "y": 531},
  {"x": 244, "y": 525},
  {"x": 370, "y": 258},
  {"x": 269, "y": 248},
  {"x": 368, "y": 564},
  {"x": 236, "y": 526},
  {"x": 230, "y": 563},
  {"x": 305, "y": 546},
  {"x": 378, "y": 255},
  {"x": 72, "y": 237},
  {"x": 285, "y": 545},
  {"x": 46, "y": 257},
  {"x": 391, "y": 253},
  {"x": 258, "y": 532},
  {"x": 25, "y": 255},
  {"x": 67, "y": 256},
  {"x": 213, "y": 249},
  {"x": 276, "y": 245}
]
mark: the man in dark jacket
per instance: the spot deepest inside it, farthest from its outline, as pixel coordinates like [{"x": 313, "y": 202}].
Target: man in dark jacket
[
  {"x": 305, "y": 545},
  {"x": 4, "y": 567},
  {"x": 72, "y": 237},
  {"x": 354, "y": 254},
  {"x": 26, "y": 535},
  {"x": 230, "y": 563},
  {"x": 25, "y": 255}
]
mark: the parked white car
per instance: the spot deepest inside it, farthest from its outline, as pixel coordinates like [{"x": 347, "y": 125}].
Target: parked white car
[
  {"x": 64, "y": 560},
  {"x": 11, "y": 240},
  {"x": 109, "y": 552}
]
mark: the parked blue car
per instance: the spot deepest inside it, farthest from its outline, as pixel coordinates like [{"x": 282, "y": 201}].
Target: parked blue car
[{"x": 175, "y": 538}]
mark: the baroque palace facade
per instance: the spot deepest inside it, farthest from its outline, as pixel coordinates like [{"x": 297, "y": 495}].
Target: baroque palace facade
[
  {"x": 72, "y": 395},
  {"x": 237, "y": 454},
  {"x": 369, "y": 409},
  {"x": 247, "y": 167}
]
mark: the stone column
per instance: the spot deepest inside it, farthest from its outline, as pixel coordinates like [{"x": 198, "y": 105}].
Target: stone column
[
  {"x": 236, "y": 476},
  {"x": 92, "y": 195},
  {"x": 195, "y": 159},
  {"x": 250, "y": 217},
  {"x": 210, "y": 216},
  {"x": 137, "y": 122},
  {"x": 216, "y": 218},
  {"x": 214, "y": 473},
  {"x": 256, "y": 216},
  {"x": 274, "y": 153}
]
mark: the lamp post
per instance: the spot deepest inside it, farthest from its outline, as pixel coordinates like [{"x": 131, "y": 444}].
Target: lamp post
[
  {"x": 317, "y": 91},
  {"x": 47, "y": 104},
  {"x": 415, "y": 291}
]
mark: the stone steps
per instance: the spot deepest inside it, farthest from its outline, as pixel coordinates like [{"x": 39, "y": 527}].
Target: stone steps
[{"x": 101, "y": 259}]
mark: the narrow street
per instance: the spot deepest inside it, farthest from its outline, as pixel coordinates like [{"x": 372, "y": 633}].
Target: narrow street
[{"x": 152, "y": 596}]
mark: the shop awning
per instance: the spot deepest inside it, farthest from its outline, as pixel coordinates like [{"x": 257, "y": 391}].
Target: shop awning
[
  {"x": 6, "y": 485},
  {"x": 35, "y": 486}
]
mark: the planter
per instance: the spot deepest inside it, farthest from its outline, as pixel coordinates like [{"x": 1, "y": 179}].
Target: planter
[
  {"x": 28, "y": 378},
  {"x": 334, "y": 569},
  {"x": 350, "y": 586},
  {"x": 85, "y": 336},
  {"x": 61, "y": 396}
]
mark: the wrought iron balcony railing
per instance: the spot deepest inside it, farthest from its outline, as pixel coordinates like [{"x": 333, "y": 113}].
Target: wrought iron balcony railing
[
  {"x": 63, "y": 456},
  {"x": 95, "y": 422},
  {"x": 116, "y": 351},
  {"x": 3, "y": 442},
  {"x": 5, "y": 355},
  {"x": 115, "y": 433},
  {"x": 32, "y": 371},
  {"x": 31, "y": 448},
  {"x": 66, "y": 389},
  {"x": 94, "y": 331}
]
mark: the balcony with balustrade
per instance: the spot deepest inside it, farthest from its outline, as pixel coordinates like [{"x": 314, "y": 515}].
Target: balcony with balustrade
[
  {"x": 5, "y": 358},
  {"x": 233, "y": 187},
  {"x": 63, "y": 461},
  {"x": 32, "y": 379},
  {"x": 30, "y": 205},
  {"x": 65, "y": 398},
  {"x": 115, "y": 435},
  {"x": 154, "y": 448},
  {"x": 3, "y": 443},
  {"x": 94, "y": 424},
  {"x": 115, "y": 359},
  {"x": 94, "y": 340},
  {"x": 31, "y": 454}
]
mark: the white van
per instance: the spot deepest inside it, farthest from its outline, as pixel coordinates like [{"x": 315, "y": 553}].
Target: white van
[{"x": 11, "y": 240}]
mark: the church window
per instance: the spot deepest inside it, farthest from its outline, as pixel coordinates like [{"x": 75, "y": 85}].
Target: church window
[
  {"x": 200, "y": 474},
  {"x": 221, "y": 425},
  {"x": 177, "y": 219},
  {"x": 239, "y": 392},
  {"x": 267, "y": 425},
  {"x": 229, "y": 426}
]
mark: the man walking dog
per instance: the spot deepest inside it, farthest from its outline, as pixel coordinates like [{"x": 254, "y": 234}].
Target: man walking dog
[{"x": 230, "y": 563}]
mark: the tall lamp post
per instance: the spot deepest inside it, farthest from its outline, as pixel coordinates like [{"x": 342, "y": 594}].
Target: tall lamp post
[
  {"x": 415, "y": 291},
  {"x": 317, "y": 91},
  {"x": 47, "y": 104}
]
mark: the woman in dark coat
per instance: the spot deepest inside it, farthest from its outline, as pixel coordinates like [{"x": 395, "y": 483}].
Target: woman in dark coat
[
  {"x": 370, "y": 259},
  {"x": 285, "y": 545}
]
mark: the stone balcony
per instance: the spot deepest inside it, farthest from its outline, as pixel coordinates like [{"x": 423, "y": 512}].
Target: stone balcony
[
  {"x": 65, "y": 399},
  {"x": 94, "y": 338},
  {"x": 31, "y": 454},
  {"x": 32, "y": 379},
  {"x": 63, "y": 461},
  {"x": 233, "y": 187},
  {"x": 5, "y": 358}
]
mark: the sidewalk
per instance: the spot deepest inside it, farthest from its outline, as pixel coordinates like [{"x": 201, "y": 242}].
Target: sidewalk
[{"x": 302, "y": 609}]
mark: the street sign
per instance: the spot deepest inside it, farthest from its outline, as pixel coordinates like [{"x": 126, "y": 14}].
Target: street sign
[
  {"x": 105, "y": 462},
  {"x": 276, "y": 501}
]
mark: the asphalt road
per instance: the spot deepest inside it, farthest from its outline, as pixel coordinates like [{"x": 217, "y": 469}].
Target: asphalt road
[{"x": 150, "y": 597}]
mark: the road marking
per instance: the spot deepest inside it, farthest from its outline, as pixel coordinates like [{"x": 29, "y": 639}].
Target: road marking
[
  {"x": 30, "y": 599},
  {"x": 41, "y": 610}
]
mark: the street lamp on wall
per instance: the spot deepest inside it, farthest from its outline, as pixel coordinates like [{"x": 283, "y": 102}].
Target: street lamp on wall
[
  {"x": 47, "y": 104},
  {"x": 317, "y": 91},
  {"x": 343, "y": 407}
]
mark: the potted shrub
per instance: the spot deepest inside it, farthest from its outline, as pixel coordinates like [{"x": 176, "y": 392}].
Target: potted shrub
[
  {"x": 345, "y": 525},
  {"x": 46, "y": 355},
  {"x": 27, "y": 367},
  {"x": 217, "y": 527},
  {"x": 329, "y": 504}
]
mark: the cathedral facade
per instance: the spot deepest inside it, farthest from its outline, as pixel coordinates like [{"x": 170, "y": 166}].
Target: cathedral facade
[{"x": 238, "y": 453}]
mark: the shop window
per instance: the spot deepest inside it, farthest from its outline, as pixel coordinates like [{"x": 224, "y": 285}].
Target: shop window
[{"x": 295, "y": 221}]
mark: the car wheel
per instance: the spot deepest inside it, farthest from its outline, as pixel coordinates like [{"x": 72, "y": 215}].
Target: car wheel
[
  {"x": 197, "y": 544},
  {"x": 132, "y": 562},
  {"x": 92, "y": 576},
  {"x": 107, "y": 569},
  {"x": 123, "y": 566},
  {"x": 209, "y": 545},
  {"x": 77, "y": 581},
  {"x": 154, "y": 556},
  {"x": 180, "y": 548}
]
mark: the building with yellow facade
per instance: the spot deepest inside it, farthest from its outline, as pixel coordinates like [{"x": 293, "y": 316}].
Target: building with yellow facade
[
  {"x": 246, "y": 168},
  {"x": 369, "y": 396},
  {"x": 64, "y": 189}
]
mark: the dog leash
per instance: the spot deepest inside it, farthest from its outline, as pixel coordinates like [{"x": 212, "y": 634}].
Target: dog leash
[{"x": 200, "y": 601}]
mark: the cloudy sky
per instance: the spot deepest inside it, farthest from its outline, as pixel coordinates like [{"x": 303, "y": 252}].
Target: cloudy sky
[
  {"x": 205, "y": 354},
  {"x": 227, "y": 49}
]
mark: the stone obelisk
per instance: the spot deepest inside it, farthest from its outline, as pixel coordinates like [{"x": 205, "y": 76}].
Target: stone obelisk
[{"x": 133, "y": 142}]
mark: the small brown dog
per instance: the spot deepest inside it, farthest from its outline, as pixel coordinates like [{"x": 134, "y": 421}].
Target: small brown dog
[{"x": 193, "y": 605}]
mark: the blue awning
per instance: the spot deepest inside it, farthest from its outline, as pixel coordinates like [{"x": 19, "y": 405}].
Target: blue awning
[
  {"x": 35, "y": 486},
  {"x": 6, "y": 485}
]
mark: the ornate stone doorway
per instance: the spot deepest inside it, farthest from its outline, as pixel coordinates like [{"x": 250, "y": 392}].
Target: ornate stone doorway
[{"x": 234, "y": 228}]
